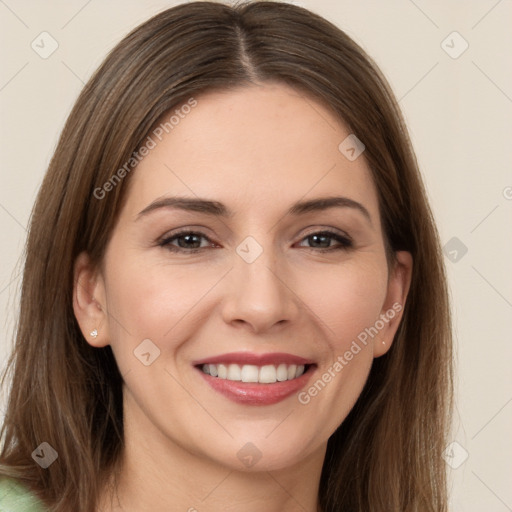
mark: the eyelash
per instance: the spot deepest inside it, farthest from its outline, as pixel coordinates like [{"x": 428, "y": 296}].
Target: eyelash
[{"x": 344, "y": 241}]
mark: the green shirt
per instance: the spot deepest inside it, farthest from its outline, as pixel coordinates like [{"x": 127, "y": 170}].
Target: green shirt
[{"x": 14, "y": 497}]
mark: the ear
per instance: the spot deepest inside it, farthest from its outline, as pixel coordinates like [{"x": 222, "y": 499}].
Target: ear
[
  {"x": 89, "y": 302},
  {"x": 392, "y": 310}
]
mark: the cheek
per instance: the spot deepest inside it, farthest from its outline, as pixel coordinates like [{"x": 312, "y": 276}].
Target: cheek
[
  {"x": 153, "y": 302},
  {"x": 347, "y": 303},
  {"x": 346, "y": 300}
]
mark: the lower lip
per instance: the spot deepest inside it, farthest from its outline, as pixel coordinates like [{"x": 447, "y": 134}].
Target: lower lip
[{"x": 253, "y": 393}]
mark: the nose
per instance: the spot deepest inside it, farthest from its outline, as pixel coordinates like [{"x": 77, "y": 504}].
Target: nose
[{"x": 260, "y": 295}]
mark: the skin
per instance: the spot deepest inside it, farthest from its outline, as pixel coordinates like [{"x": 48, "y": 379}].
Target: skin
[{"x": 258, "y": 150}]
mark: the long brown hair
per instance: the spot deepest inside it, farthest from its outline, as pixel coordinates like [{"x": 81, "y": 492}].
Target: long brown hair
[{"x": 387, "y": 454}]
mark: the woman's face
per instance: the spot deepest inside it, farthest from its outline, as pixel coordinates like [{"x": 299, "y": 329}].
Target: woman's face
[{"x": 257, "y": 273}]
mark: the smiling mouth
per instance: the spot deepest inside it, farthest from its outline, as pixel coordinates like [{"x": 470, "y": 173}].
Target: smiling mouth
[
  {"x": 249, "y": 378},
  {"x": 249, "y": 373}
]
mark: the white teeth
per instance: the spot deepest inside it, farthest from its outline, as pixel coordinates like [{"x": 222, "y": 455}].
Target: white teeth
[
  {"x": 222, "y": 371},
  {"x": 282, "y": 372},
  {"x": 234, "y": 372},
  {"x": 267, "y": 374},
  {"x": 249, "y": 373}
]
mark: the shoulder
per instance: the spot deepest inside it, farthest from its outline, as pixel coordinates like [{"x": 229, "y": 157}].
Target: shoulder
[{"x": 14, "y": 497}]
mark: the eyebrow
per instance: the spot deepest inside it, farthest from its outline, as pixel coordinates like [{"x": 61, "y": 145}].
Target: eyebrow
[{"x": 217, "y": 209}]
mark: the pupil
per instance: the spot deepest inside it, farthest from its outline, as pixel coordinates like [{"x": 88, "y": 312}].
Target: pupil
[
  {"x": 189, "y": 239},
  {"x": 324, "y": 237}
]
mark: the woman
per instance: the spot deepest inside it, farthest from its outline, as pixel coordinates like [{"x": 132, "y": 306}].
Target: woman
[{"x": 234, "y": 295}]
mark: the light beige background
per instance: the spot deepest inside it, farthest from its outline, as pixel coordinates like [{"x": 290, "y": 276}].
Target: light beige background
[{"x": 459, "y": 112}]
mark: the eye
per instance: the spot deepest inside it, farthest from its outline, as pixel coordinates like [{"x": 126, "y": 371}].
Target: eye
[
  {"x": 187, "y": 241},
  {"x": 321, "y": 240},
  {"x": 190, "y": 241}
]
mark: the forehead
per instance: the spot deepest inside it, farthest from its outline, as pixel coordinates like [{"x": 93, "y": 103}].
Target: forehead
[{"x": 258, "y": 146}]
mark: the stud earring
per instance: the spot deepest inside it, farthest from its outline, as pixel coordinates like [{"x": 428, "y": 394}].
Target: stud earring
[{"x": 94, "y": 333}]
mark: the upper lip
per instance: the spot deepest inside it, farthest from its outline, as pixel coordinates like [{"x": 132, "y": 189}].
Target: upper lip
[{"x": 243, "y": 358}]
